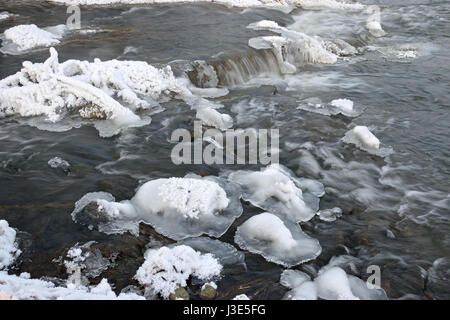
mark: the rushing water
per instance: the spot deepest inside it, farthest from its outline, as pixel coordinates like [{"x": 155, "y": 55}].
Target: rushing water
[{"x": 396, "y": 209}]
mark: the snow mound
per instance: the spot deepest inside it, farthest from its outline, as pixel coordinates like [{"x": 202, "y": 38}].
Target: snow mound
[
  {"x": 26, "y": 37},
  {"x": 24, "y": 288},
  {"x": 8, "y": 246},
  {"x": 277, "y": 241},
  {"x": 177, "y": 208},
  {"x": 165, "y": 269},
  {"x": 103, "y": 93},
  {"x": 278, "y": 191}
]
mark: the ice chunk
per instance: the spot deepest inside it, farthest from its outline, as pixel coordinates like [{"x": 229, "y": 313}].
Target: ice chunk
[
  {"x": 166, "y": 268},
  {"x": 375, "y": 28},
  {"x": 29, "y": 36},
  {"x": 305, "y": 291},
  {"x": 278, "y": 191},
  {"x": 365, "y": 140},
  {"x": 8, "y": 246},
  {"x": 276, "y": 241},
  {"x": 343, "y": 104},
  {"x": 177, "y": 208},
  {"x": 293, "y": 278},
  {"x": 212, "y": 117}
]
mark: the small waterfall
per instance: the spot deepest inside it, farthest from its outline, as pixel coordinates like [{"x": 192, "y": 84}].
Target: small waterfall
[{"x": 234, "y": 70}]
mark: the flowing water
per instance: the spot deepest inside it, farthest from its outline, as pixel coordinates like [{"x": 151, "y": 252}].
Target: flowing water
[{"x": 395, "y": 208}]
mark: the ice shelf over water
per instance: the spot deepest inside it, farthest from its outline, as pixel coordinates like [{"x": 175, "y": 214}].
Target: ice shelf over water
[
  {"x": 277, "y": 241},
  {"x": 177, "y": 208},
  {"x": 277, "y": 190}
]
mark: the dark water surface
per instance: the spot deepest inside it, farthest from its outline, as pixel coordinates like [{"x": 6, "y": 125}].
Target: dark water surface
[{"x": 406, "y": 105}]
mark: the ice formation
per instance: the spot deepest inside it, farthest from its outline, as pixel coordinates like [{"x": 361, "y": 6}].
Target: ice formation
[
  {"x": 4, "y": 15},
  {"x": 27, "y": 37},
  {"x": 365, "y": 140},
  {"x": 82, "y": 263},
  {"x": 375, "y": 28},
  {"x": 278, "y": 191},
  {"x": 165, "y": 269},
  {"x": 291, "y": 48},
  {"x": 213, "y": 118},
  {"x": 176, "y": 207},
  {"x": 9, "y": 250},
  {"x": 277, "y": 241},
  {"x": 330, "y": 214},
  {"x": 241, "y": 297},
  {"x": 337, "y": 106},
  {"x": 57, "y": 162},
  {"x": 224, "y": 252},
  {"x": 105, "y": 93},
  {"x": 276, "y": 4},
  {"x": 331, "y": 283},
  {"x": 23, "y": 288}
]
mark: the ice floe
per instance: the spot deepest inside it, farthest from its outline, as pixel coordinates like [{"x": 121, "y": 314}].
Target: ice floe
[
  {"x": 276, "y": 240},
  {"x": 276, "y": 189},
  {"x": 9, "y": 250},
  {"x": 176, "y": 207},
  {"x": 26, "y": 37},
  {"x": 104, "y": 93},
  {"x": 330, "y": 214},
  {"x": 165, "y": 269}
]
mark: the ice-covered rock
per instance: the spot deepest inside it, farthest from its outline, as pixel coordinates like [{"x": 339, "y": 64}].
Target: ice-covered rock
[
  {"x": 224, "y": 252},
  {"x": 241, "y": 297},
  {"x": 27, "y": 37},
  {"x": 278, "y": 191},
  {"x": 9, "y": 250},
  {"x": 104, "y": 93},
  {"x": 277, "y": 241},
  {"x": 165, "y": 269},
  {"x": 177, "y": 208}
]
